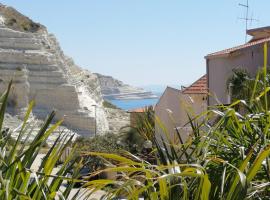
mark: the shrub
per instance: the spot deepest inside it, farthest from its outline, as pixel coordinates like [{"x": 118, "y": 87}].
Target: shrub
[
  {"x": 242, "y": 84},
  {"x": 140, "y": 131},
  {"x": 108, "y": 104},
  {"x": 19, "y": 69},
  {"x": 108, "y": 143},
  {"x": 132, "y": 140},
  {"x": 11, "y": 22},
  {"x": 239, "y": 81}
]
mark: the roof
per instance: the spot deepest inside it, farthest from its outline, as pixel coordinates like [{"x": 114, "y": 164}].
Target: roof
[
  {"x": 231, "y": 50},
  {"x": 198, "y": 87},
  {"x": 165, "y": 91},
  {"x": 140, "y": 110},
  {"x": 137, "y": 110},
  {"x": 259, "y": 33}
]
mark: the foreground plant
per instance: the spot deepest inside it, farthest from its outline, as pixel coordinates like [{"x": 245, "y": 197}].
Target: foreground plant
[
  {"x": 226, "y": 156},
  {"x": 141, "y": 130},
  {"x": 17, "y": 179}
]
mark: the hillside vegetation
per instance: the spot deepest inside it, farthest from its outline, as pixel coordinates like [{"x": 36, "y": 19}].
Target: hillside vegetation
[{"x": 17, "y": 21}]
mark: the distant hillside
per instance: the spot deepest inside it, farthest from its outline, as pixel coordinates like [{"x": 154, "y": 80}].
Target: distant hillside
[
  {"x": 158, "y": 89},
  {"x": 112, "y": 88}
]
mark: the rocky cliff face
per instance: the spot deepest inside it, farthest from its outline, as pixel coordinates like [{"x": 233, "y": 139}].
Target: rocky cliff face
[
  {"x": 40, "y": 71},
  {"x": 112, "y": 88}
]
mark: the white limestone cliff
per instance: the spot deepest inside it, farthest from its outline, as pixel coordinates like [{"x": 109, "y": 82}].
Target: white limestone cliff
[{"x": 40, "y": 71}]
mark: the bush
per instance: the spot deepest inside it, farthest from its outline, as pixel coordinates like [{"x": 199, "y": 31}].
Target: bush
[
  {"x": 108, "y": 104},
  {"x": 132, "y": 141},
  {"x": 108, "y": 143},
  {"x": 140, "y": 131},
  {"x": 11, "y": 22}
]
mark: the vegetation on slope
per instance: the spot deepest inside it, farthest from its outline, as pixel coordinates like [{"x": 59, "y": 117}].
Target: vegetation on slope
[
  {"x": 17, "y": 21},
  {"x": 108, "y": 104},
  {"x": 108, "y": 143}
]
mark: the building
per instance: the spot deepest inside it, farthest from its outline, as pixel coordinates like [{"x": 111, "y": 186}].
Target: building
[
  {"x": 175, "y": 105},
  {"x": 220, "y": 64},
  {"x": 135, "y": 115}
]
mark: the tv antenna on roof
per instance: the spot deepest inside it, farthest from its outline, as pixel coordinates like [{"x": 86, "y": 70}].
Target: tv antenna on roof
[{"x": 247, "y": 18}]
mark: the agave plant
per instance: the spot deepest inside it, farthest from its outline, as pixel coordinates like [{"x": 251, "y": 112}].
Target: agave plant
[
  {"x": 17, "y": 179},
  {"x": 226, "y": 157}
]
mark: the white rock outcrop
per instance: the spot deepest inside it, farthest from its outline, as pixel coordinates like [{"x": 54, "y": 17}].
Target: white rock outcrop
[{"x": 40, "y": 71}]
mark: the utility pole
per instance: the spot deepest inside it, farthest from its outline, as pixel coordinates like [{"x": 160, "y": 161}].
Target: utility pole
[{"x": 95, "y": 108}]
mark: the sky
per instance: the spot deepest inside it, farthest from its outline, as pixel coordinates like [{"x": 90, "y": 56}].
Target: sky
[{"x": 145, "y": 42}]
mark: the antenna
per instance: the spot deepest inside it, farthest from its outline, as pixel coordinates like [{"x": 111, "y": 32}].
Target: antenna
[{"x": 246, "y": 18}]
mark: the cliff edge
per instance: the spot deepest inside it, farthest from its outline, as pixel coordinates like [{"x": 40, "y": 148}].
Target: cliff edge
[{"x": 40, "y": 71}]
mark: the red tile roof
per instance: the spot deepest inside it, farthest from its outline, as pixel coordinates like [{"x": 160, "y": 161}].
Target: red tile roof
[
  {"x": 139, "y": 110},
  {"x": 198, "y": 87},
  {"x": 231, "y": 50}
]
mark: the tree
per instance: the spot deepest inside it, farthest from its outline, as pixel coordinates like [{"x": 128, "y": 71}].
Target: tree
[{"x": 240, "y": 84}]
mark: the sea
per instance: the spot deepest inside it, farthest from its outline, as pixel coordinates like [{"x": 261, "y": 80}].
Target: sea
[
  {"x": 130, "y": 104},
  {"x": 133, "y": 104}
]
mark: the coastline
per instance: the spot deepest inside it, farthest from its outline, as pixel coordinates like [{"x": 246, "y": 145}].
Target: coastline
[
  {"x": 128, "y": 104},
  {"x": 130, "y": 96}
]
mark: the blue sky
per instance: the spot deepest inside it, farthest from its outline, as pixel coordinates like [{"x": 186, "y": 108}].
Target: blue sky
[{"x": 144, "y": 42}]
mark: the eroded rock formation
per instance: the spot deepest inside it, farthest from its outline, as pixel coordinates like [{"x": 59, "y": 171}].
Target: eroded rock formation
[{"x": 40, "y": 71}]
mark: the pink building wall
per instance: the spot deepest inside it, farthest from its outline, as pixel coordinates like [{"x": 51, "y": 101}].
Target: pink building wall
[{"x": 219, "y": 69}]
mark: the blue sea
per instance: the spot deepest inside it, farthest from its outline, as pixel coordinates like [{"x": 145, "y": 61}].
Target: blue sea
[{"x": 132, "y": 104}]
